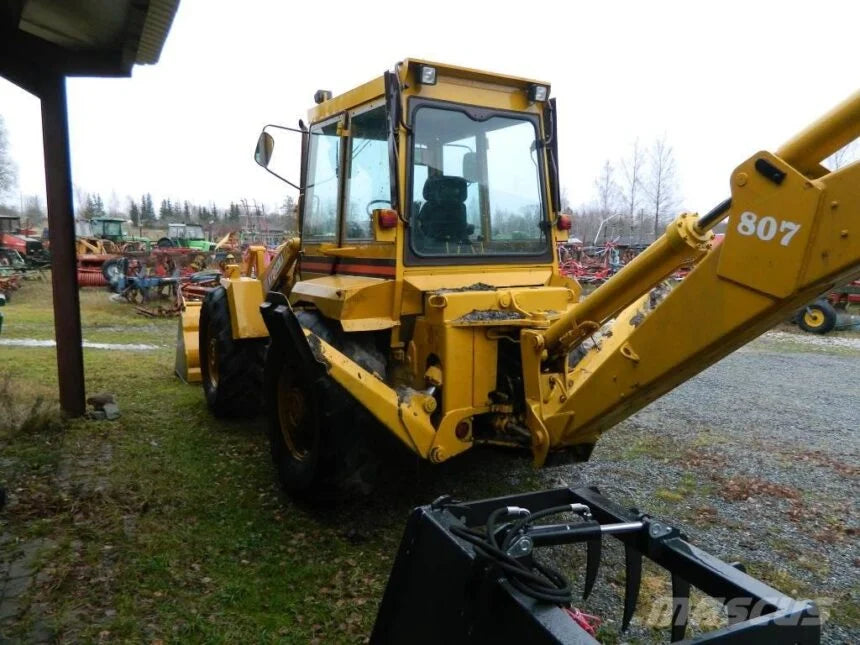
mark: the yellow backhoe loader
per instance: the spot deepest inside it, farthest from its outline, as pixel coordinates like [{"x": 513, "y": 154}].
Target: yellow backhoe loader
[{"x": 424, "y": 296}]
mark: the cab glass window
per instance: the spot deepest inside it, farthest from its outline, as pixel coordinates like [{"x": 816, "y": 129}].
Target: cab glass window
[
  {"x": 476, "y": 185},
  {"x": 369, "y": 183},
  {"x": 320, "y": 213}
]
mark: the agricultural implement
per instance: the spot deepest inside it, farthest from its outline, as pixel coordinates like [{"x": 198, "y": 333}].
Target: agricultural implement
[
  {"x": 483, "y": 569},
  {"x": 14, "y": 238}
]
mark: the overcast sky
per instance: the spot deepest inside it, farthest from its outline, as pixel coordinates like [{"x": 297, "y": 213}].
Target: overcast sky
[{"x": 720, "y": 79}]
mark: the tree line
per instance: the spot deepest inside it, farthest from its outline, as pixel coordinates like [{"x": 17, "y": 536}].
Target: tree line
[{"x": 633, "y": 200}]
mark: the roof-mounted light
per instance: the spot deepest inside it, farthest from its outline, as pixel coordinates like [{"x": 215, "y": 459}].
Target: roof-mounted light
[
  {"x": 426, "y": 75},
  {"x": 321, "y": 96},
  {"x": 538, "y": 93}
]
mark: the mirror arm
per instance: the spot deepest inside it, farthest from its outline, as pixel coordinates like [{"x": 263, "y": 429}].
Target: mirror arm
[
  {"x": 302, "y": 129},
  {"x": 286, "y": 181}
]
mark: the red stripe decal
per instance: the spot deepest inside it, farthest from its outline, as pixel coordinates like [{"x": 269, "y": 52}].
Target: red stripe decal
[{"x": 348, "y": 268}]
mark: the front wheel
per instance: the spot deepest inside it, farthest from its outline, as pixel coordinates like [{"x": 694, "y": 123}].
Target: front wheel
[
  {"x": 231, "y": 369},
  {"x": 317, "y": 432}
]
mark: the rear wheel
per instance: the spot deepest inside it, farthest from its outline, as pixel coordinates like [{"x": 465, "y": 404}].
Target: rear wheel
[
  {"x": 231, "y": 369},
  {"x": 818, "y": 317},
  {"x": 317, "y": 432}
]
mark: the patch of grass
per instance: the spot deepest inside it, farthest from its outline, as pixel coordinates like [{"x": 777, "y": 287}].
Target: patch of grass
[
  {"x": 847, "y": 610},
  {"x": 649, "y": 446},
  {"x": 688, "y": 485},
  {"x": 24, "y": 411},
  {"x": 780, "y": 579}
]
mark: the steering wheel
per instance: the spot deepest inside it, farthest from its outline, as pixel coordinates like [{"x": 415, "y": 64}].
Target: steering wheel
[{"x": 376, "y": 201}]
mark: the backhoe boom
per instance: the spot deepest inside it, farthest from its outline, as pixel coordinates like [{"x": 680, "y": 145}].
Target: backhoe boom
[{"x": 793, "y": 234}]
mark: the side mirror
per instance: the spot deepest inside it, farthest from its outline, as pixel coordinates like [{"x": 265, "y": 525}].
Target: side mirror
[{"x": 263, "y": 152}]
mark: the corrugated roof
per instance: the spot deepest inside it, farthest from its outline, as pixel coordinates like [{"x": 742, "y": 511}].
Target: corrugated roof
[{"x": 159, "y": 17}]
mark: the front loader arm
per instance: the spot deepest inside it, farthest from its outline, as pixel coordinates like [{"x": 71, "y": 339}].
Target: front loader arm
[{"x": 792, "y": 235}]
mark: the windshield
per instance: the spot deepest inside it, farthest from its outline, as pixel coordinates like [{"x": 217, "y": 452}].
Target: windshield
[
  {"x": 83, "y": 228},
  {"x": 194, "y": 232},
  {"x": 113, "y": 229},
  {"x": 475, "y": 185},
  {"x": 9, "y": 224}
]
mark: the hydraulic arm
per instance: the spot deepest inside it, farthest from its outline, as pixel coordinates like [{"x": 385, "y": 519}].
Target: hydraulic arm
[{"x": 793, "y": 233}]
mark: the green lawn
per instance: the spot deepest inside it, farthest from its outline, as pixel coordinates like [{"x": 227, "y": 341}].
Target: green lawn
[{"x": 167, "y": 524}]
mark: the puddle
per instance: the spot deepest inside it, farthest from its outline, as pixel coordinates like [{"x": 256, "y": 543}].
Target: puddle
[{"x": 33, "y": 342}]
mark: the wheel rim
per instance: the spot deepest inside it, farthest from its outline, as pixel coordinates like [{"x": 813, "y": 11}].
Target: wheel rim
[
  {"x": 113, "y": 271},
  {"x": 813, "y": 317},
  {"x": 212, "y": 358},
  {"x": 294, "y": 418}
]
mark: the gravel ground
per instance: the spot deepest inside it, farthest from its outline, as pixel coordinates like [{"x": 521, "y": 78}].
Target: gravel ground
[{"x": 756, "y": 459}]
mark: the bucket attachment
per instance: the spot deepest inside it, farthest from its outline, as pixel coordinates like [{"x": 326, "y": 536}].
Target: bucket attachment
[
  {"x": 470, "y": 572},
  {"x": 188, "y": 343}
]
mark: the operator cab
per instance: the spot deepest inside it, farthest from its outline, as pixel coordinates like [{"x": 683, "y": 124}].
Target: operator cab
[{"x": 429, "y": 165}]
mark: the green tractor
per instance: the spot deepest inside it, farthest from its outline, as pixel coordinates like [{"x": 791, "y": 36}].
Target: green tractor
[
  {"x": 114, "y": 229},
  {"x": 189, "y": 236}
]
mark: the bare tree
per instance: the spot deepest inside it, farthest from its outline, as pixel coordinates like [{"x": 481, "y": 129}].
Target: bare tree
[
  {"x": 608, "y": 196},
  {"x": 607, "y": 190},
  {"x": 662, "y": 185},
  {"x": 633, "y": 168},
  {"x": 565, "y": 201},
  {"x": 114, "y": 207},
  {"x": 81, "y": 198},
  {"x": 843, "y": 156},
  {"x": 8, "y": 168}
]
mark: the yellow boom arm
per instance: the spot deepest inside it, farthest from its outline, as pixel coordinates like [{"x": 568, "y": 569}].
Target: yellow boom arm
[{"x": 794, "y": 233}]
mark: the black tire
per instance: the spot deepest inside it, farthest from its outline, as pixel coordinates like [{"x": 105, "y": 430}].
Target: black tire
[
  {"x": 232, "y": 370},
  {"x": 164, "y": 243},
  {"x": 818, "y": 317},
  {"x": 112, "y": 269},
  {"x": 320, "y": 438}
]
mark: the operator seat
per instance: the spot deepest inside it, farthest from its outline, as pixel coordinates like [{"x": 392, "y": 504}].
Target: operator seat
[{"x": 443, "y": 216}]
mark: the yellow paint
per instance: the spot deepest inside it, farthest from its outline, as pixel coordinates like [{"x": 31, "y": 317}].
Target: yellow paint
[{"x": 187, "y": 349}]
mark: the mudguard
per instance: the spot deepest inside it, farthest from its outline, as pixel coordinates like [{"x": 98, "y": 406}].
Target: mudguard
[{"x": 287, "y": 334}]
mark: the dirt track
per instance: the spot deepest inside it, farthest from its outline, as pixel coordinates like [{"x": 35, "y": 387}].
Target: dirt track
[{"x": 757, "y": 459}]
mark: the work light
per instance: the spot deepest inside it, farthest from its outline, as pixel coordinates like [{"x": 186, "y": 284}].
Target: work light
[
  {"x": 538, "y": 93},
  {"x": 427, "y": 75}
]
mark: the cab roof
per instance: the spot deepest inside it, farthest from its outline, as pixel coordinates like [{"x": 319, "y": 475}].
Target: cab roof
[{"x": 407, "y": 69}]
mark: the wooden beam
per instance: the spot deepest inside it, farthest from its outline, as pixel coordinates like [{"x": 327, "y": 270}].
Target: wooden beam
[{"x": 61, "y": 225}]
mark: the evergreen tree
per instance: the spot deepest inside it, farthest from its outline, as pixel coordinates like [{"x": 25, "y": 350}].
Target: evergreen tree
[
  {"x": 164, "y": 211},
  {"x": 90, "y": 208},
  {"x": 99, "y": 206},
  {"x": 134, "y": 213},
  {"x": 233, "y": 215},
  {"x": 147, "y": 212},
  {"x": 186, "y": 212}
]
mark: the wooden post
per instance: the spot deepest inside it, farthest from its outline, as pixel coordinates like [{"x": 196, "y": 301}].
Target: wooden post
[{"x": 61, "y": 225}]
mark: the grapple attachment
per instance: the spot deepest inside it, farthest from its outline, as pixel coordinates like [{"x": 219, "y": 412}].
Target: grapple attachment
[{"x": 470, "y": 572}]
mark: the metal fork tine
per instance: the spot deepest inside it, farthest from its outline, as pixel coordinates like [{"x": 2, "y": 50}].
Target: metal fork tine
[
  {"x": 632, "y": 582},
  {"x": 680, "y": 607},
  {"x": 592, "y": 564}
]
